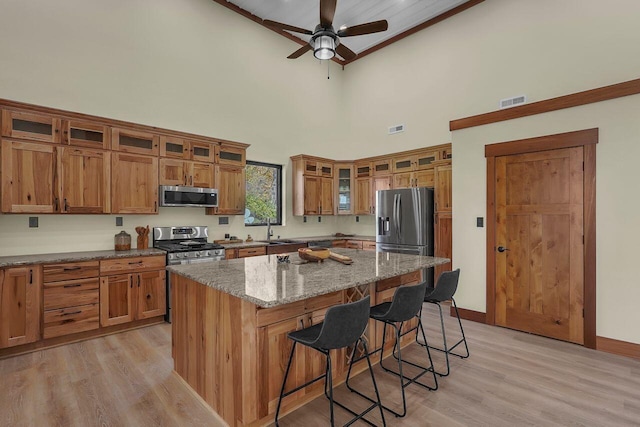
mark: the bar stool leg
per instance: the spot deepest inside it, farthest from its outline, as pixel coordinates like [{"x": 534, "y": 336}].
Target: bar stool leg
[
  {"x": 329, "y": 379},
  {"x": 464, "y": 339}
]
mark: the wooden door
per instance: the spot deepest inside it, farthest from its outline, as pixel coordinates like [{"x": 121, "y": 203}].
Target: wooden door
[
  {"x": 84, "y": 180},
  {"x": 173, "y": 172},
  {"x": 326, "y": 196},
  {"x": 424, "y": 178},
  {"x": 363, "y": 196},
  {"x": 443, "y": 188},
  {"x": 274, "y": 350},
  {"x": 151, "y": 294},
  {"x": 202, "y": 151},
  {"x": 175, "y": 148},
  {"x": 34, "y": 127},
  {"x": 134, "y": 183},
  {"x": 116, "y": 299},
  {"x": 201, "y": 175},
  {"x": 133, "y": 141},
  {"x": 86, "y": 134},
  {"x": 379, "y": 183},
  {"x": 344, "y": 188},
  {"x": 424, "y": 160},
  {"x": 540, "y": 274},
  {"x": 20, "y": 290},
  {"x": 382, "y": 167},
  {"x": 28, "y": 177},
  {"x": 403, "y": 164},
  {"x": 229, "y": 155},
  {"x": 231, "y": 190},
  {"x": 402, "y": 180},
  {"x": 312, "y": 194}
]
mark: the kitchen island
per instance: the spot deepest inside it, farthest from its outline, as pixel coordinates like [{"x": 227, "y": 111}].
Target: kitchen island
[{"x": 231, "y": 320}]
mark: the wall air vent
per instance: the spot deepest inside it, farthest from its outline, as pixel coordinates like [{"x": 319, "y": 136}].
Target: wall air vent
[
  {"x": 396, "y": 129},
  {"x": 512, "y": 102}
]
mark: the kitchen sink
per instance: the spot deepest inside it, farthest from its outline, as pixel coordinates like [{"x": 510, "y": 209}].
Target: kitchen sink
[{"x": 278, "y": 242}]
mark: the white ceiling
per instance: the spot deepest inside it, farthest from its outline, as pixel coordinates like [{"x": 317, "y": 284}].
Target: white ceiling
[{"x": 401, "y": 15}]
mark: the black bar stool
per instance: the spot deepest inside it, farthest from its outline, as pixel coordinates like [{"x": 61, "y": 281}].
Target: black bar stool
[
  {"x": 406, "y": 305},
  {"x": 343, "y": 326},
  {"x": 444, "y": 290}
]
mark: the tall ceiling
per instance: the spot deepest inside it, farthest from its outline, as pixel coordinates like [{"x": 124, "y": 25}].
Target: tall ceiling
[{"x": 404, "y": 17}]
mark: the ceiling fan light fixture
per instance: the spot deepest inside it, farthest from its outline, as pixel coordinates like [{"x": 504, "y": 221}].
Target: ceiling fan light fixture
[{"x": 324, "y": 47}]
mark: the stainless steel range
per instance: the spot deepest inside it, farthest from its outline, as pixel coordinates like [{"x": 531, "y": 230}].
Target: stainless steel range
[{"x": 185, "y": 245}]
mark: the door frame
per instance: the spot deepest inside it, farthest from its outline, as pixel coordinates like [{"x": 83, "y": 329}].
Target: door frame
[{"x": 587, "y": 139}]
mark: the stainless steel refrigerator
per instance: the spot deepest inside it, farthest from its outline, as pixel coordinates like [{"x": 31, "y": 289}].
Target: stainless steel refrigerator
[{"x": 404, "y": 222}]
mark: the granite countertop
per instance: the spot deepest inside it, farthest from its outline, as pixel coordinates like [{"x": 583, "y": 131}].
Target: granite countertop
[
  {"x": 263, "y": 281},
  {"x": 13, "y": 261},
  {"x": 294, "y": 240}
]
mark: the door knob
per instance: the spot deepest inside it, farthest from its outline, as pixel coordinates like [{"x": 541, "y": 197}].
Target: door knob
[{"x": 502, "y": 249}]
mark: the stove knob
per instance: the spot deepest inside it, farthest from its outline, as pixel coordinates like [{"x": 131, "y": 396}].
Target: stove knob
[
  {"x": 208, "y": 253},
  {"x": 197, "y": 254},
  {"x": 179, "y": 255}
]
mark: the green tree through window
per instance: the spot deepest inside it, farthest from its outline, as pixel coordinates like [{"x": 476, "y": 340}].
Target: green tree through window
[{"x": 264, "y": 193}]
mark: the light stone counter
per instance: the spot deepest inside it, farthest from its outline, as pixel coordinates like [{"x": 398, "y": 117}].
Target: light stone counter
[
  {"x": 18, "y": 260},
  {"x": 263, "y": 281}
]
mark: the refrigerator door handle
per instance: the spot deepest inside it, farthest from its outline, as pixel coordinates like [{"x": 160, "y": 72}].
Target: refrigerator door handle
[{"x": 399, "y": 217}]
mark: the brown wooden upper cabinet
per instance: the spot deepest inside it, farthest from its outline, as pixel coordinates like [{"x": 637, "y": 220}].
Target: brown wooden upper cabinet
[
  {"x": 382, "y": 167},
  {"x": 20, "y": 293},
  {"x": 86, "y": 134},
  {"x": 363, "y": 169},
  {"x": 179, "y": 148},
  {"x": 30, "y": 126},
  {"x": 133, "y": 141},
  {"x": 228, "y": 154},
  {"x": 134, "y": 183},
  {"x": 366, "y": 192},
  {"x": 419, "y": 178},
  {"x": 28, "y": 176},
  {"x": 415, "y": 162},
  {"x": 230, "y": 182},
  {"x": 443, "y": 188},
  {"x": 183, "y": 172},
  {"x": 84, "y": 177},
  {"x": 344, "y": 188},
  {"x": 313, "y": 185}
]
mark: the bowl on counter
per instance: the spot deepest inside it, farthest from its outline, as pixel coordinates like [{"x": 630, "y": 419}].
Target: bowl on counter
[{"x": 314, "y": 254}]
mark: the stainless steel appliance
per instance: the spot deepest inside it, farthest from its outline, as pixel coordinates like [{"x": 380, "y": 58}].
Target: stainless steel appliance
[
  {"x": 404, "y": 222},
  {"x": 188, "y": 196},
  {"x": 185, "y": 245}
]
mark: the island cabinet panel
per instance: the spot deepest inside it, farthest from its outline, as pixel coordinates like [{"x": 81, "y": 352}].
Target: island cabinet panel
[{"x": 20, "y": 293}]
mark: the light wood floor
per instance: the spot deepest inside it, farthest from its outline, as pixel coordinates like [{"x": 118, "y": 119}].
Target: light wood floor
[{"x": 511, "y": 379}]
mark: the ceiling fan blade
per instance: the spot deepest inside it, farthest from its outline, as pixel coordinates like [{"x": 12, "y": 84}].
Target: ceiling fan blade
[
  {"x": 298, "y": 53},
  {"x": 345, "y": 52},
  {"x": 327, "y": 12},
  {"x": 362, "y": 29},
  {"x": 281, "y": 26}
]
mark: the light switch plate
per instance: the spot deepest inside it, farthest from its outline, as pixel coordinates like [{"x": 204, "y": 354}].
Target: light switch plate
[
  {"x": 119, "y": 221},
  {"x": 319, "y": 219},
  {"x": 357, "y": 219},
  {"x": 304, "y": 219},
  {"x": 479, "y": 222},
  {"x": 33, "y": 222},
  {"x": 223, "y": 220}
]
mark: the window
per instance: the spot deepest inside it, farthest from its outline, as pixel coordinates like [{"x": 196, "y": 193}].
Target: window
[{"x": 264, "y": 193}]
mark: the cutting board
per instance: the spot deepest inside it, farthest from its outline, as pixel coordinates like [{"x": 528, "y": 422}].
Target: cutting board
[{"x": 340, "y": 258}]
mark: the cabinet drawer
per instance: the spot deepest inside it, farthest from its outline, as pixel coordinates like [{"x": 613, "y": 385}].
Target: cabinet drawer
[
  {"x": 368, "y": 246},
  {"x": 70, "y": 320},
  {"x": 71, "y": 293},
  {"x": 268, "y": 316},
  {"x": 122, "y": 265},
  {"x": 412, "y": 278},
  {"x": 246, "y": 252},
  {"x": 339, "y": 244},
  {"x": 354, "y": 244},
  {"x": 70, "y": 271},
  {"x": 323, "y": 301}
]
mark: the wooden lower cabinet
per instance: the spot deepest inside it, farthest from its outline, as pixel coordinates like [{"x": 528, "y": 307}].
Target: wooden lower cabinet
[
  {"x": 20, "y": 293},
  {"x": 443, "y": 241},
  {"x": 133, "y": 296}
]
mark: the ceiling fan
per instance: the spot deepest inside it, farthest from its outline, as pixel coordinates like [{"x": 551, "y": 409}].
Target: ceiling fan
[{"x": 325, "y": 41}]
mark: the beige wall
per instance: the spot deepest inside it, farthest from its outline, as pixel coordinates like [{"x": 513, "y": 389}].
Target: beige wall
[{"x": 192, "y": 65}]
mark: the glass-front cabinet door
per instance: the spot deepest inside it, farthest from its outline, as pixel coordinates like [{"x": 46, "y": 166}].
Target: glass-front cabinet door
[
  {"x": 30, "y": 126},
  {"x": 344, "y": 186},
  {"x": 85, "y": 134}
]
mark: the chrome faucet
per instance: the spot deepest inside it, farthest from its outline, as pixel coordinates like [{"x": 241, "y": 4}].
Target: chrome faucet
[{"x": 269, "y": 231}]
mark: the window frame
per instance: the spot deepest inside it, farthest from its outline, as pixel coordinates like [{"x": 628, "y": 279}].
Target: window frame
[{"x": 279, "y": 210}]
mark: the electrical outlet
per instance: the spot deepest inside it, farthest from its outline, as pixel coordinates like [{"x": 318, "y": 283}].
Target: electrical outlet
[
  {"x": 223, "y": 220},
  {"x": 319, "y": 219},
  {"x": 33, "y": 222},
  {"x": 119, "y": 221},
  {"x": 304, "y": 219},
  {"x": 479, "y": 222},
  {"x": 357, "y": 219}
]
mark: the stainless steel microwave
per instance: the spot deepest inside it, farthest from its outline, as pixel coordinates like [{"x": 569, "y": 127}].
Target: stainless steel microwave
[{"x": 188, "y": 196}]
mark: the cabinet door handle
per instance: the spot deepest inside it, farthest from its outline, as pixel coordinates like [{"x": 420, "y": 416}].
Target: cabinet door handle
[
  {"x": 131, "y": 281},
  {"x": 138, "y": 280},
  {"x": 66, "y": 205},
  {"x": 71, "y": 268},
  {"x": 55, "y": 204},
  {"x": 31, "y": 277},
  {"x": 72, "y": 286},
  {"x": 302, "y": 323},
  {"x": 155, "y": 206},
  {"x": 191, "y": 180}
]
